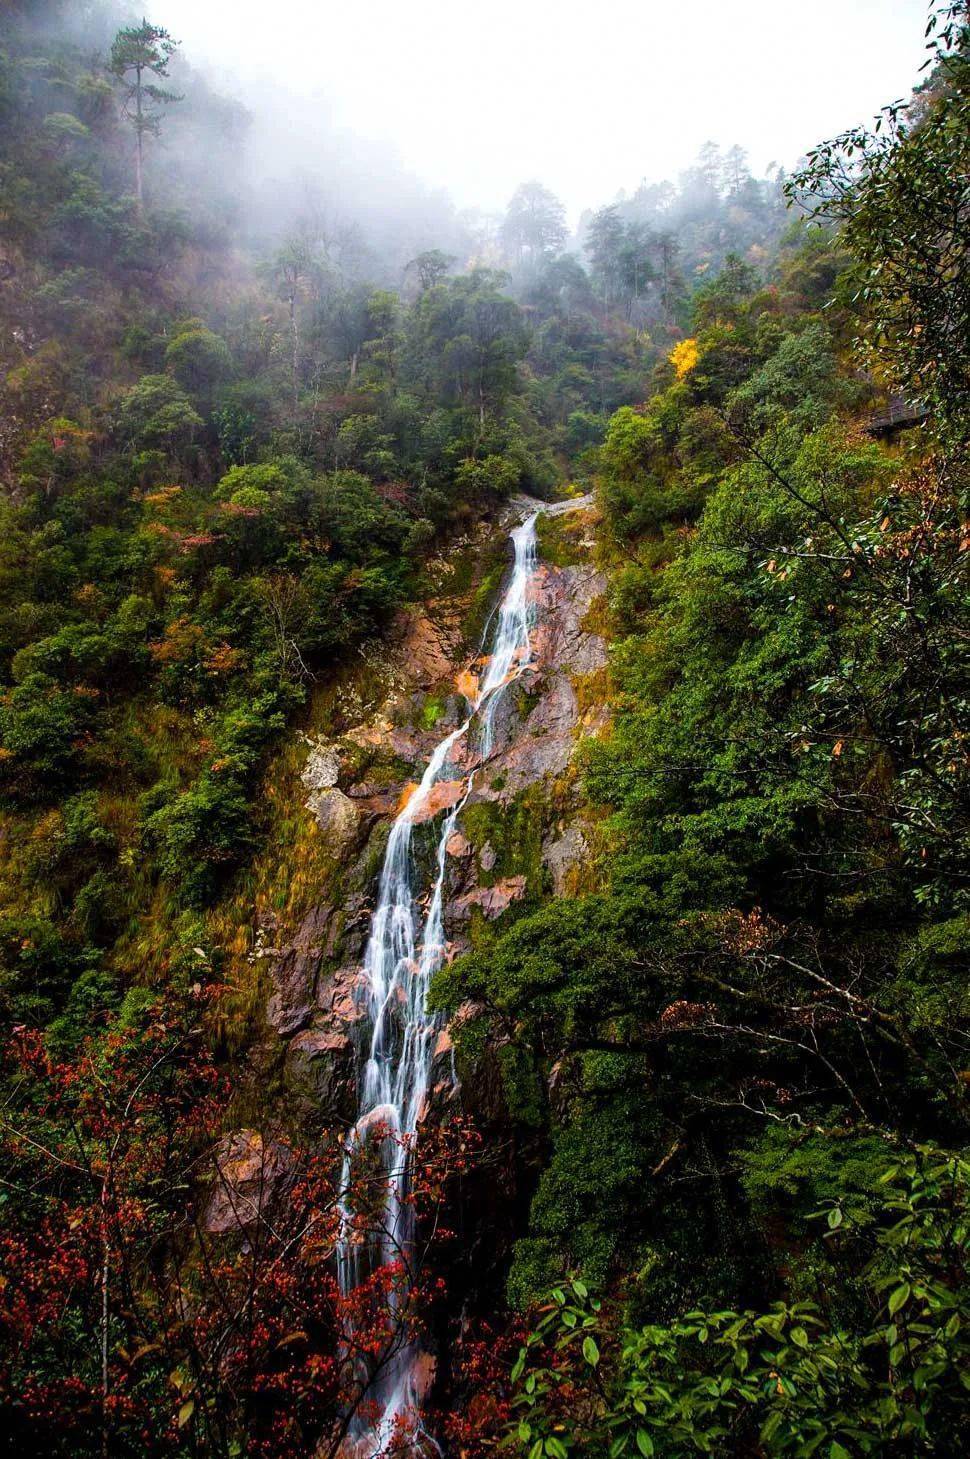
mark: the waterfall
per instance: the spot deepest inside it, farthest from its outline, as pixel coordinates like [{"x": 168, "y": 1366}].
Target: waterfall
[{"x": 405, "y": 949}]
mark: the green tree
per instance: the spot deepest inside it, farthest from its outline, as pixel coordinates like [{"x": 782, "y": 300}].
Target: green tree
[
  {"x": 137, "y": 53},
  {"x": 199, "y": 360},
  {"x": 430, "y": 267},
  {"x": 534, "y": 225},
  {"x": 887, "y": 1377},
  {"x": 899, "y": 194}
]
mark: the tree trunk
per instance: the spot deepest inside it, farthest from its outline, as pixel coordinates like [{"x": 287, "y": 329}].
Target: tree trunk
[
  {"x": 295, "y": 343},
  {"x": 105, "y": 1274},
  {"x": 139, "y": 137}
]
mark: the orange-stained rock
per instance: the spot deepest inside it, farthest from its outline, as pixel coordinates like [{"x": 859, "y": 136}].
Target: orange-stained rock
[
  {"x": 443, "y": 1044},
  {"x": 458, "y": 845},
  {"x": 442, "y": 796},
  {"x": 466, "y": 682},
  {"x": 492, "y": 900},
  {"x": 426, "y": 649},
  {"x": 405, "y": 796}
]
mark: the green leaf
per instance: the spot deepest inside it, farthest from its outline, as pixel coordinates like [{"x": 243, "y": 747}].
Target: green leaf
[
  {"x": 836, "y": 1451},
  {"x": 186, "y": 1412},
  {"x": 899, "y": 1298},
  {"x": 590, "y": 1351},
  {"x": 555, "y": 1448},
  {"x": 644, "y": 1443}
]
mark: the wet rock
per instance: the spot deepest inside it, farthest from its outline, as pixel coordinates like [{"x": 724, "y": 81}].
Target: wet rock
[
  {"x": 487, "y": 857},
  {"x": 342, "y": 1001},
  {"x": 411, "y": 1440},
  {"x": 542, "y": 746},
  {"x": 251, "y": 1174},
  {"x": 442, "y": 796},
  {"x": 294, "y": 973},
  {"x": 378, "y": 1124}
]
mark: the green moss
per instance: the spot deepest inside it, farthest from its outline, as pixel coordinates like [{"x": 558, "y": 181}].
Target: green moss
[
  {"x": 514, "y": 831},
  {"x": 473, "y": 625},
  {"x": 432, "y": 710},
  {"x": 561, "y": 539},
  {"x": 535, "y": 1267}
]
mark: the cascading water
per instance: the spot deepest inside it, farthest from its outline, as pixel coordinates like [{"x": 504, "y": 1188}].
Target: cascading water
[{"x": 404, "y": 950}]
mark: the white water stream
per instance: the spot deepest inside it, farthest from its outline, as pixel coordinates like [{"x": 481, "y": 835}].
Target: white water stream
[{"x": 405, "y": 949}]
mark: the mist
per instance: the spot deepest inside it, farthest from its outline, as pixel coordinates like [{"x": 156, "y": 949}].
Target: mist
[
  {"x": 475, "y": 99},
  {"x": 387, "y": 133}
]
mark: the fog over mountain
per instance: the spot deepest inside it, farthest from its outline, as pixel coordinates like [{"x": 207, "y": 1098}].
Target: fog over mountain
[{"x": 477, "y": 97}]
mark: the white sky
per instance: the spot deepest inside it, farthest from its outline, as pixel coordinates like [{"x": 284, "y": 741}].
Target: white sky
[{"x": 480, "y": 95}]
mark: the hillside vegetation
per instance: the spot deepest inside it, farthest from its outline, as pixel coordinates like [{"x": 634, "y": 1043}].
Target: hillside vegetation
[{"x": 736, "y": 1071}]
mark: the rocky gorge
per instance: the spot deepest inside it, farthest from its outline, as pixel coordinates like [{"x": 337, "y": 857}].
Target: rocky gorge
[
  {"x": 355, "y": 781},
  {"x": 523, "y": 834}
]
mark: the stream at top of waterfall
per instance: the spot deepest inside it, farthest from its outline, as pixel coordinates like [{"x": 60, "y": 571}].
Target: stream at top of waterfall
[{"x": 406, "y": 946}]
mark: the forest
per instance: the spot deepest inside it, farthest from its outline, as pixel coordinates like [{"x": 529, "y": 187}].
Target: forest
[{"x": 457, "y": 999}]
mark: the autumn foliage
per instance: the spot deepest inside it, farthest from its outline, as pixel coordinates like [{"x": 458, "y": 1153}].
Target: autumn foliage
[{"x": 159, "y": 1298}]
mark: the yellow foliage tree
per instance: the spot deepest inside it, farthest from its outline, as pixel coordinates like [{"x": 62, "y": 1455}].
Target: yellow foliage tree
[{"x": 684, "y": 356}]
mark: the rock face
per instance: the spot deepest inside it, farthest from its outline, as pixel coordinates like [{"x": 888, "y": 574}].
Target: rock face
[
  {"x": 493, "y": 900},
  {"x": 563, "y": 856},
  {"x": 428, "y": 647},
  {"x": 337, "y": 817},
  {"x": 506, "y": 849},
  {"x": 294, "y": 973},
  {"x": 251, "y": 1174},
  {"x": 542, "y": 743},
  {"x": 320, "y": 1067}
]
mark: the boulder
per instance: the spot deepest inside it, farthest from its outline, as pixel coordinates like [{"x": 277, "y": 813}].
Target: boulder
[
  {"x": 458, "y": 846},
  {"x": 322, "y": 769},
  {"x": 337, "y": 817}
]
